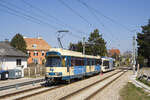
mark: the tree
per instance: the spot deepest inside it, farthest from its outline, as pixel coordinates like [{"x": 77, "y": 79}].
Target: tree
[
  {"x": 143, "y": 42},
  {"x": 127, "y": 58},
  {"x": 19, "y": 42},
  {"x": 76, "y": 47},
  {"x": 116, "y": 56},
  {"x": 94, "y": 46},
  {"x": 97, "y": 45}
]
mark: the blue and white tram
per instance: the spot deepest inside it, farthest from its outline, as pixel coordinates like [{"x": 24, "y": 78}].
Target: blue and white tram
[
  {"x": 64, "y": 65},
  {"x": 107, "y": 64}
]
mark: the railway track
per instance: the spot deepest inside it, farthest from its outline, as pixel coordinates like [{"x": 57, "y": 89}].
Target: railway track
[
  {"x": 21, "y": 95},
  {"x": 91, "y": 90},
  {"x": 19, "y": 92}
]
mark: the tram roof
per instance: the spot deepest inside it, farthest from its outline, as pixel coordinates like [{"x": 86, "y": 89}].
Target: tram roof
[
  {"x": 65, "y": 52},
  {"x": 107, "y": 58}
]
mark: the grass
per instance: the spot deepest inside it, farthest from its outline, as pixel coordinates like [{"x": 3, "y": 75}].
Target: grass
[
  {"x": 144, "y": 81},
  {"x": 131, "y": 92}
]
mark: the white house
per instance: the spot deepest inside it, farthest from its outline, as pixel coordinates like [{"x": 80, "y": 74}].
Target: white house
[{"x": 12, "y": 58}]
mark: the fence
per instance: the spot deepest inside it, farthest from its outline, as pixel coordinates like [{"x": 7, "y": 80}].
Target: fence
[
  {"x": 34, "y": 71},
  {"x": 144, "y": 73}
]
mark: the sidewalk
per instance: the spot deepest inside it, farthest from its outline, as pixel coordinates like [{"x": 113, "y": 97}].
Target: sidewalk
[{"x": 139, "y": 84}]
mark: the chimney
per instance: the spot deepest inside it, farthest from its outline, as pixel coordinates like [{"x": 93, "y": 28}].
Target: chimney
[{"x": 39, "y": 37}]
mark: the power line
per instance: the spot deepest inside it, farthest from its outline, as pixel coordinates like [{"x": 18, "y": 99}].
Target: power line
[
  {"x": 25, "y": 15},
  {"x": 41, "y": 11},
  {"x": 51, "y": 16},
  {"x": 55, "y": 18},
  {"x": 110, "y": 19},
  {"x": 11, "y": 13},
  {"x": 91, "y": 11},
  {"x": 75, "y": 12},
  {"x": 20, "y": 16},
  {"x": 16, "y": 12},
  {"x": 84, "y": 4},
  {"x": 96, "y": 17}
]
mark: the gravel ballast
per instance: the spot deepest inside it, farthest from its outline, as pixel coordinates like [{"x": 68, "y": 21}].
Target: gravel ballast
[
  {"x": 60, "y": 92},
  {"x": 112, "y": 92}
]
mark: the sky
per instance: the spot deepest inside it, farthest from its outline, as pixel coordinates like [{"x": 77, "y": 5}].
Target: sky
[{"x": 117, "y": 20}]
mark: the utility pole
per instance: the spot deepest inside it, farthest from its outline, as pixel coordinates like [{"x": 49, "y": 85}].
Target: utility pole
[
  {"x": 134, "y": 62},
  {"x": 83, "y": 45}
]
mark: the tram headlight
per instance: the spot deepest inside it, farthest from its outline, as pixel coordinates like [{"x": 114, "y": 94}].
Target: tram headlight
[{"x": 59, "y": 73}]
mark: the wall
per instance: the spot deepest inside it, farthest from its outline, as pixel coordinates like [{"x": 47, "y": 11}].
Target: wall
[
  {"x": 39, "y": 57},
  {"x": 10, "y": 63}
]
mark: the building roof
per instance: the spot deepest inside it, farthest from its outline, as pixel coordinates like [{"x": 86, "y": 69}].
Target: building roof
[
  {"x": 114, "y": 51},
  {"x": 7, "y": 50},
  {"x": 36, "y": 44}
]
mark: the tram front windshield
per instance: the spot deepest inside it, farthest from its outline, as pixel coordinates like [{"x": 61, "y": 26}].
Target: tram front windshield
[
  {"x": 105, "y": 63},
  {"x": 53, "y": 62}
]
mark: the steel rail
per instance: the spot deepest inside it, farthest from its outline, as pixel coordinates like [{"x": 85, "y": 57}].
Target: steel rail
[
  {"x": 43, "y": 91},
  {"x": 101, "y": 89},
  {"x": 82, "y": 89},
  {"x": 33, "y": 94},
  {"x": 19, "y": 92}
]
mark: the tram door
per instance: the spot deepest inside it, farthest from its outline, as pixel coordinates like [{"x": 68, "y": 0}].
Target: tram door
[{"x": 68, "y": 63}]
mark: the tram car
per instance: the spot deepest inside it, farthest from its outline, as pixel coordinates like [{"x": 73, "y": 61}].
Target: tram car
[
  {"x": 65, "y": 65},
  {"x": 107, "y": 64}
]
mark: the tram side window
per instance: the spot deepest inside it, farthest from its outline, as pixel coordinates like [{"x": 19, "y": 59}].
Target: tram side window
[
  {"x": 93, "y": 62},
  {"x": 100, "y": 62},
  {"x": 88, "y": 62},
  {"x": 105, "y": 63},
  {"x": 97, "y": 62},
  {"x": 77, "y": 61},
  {"x": 72, "y": 61},
  {"x": 82, "y": 62}
]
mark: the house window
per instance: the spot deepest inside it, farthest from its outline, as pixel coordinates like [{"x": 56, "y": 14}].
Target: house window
[
  {"x": 18, "y": 62},
  {"x": 35, "y": 53},
  {"x": 34, "y": 45},
  {"x": 43, "y": 53},
  {"x": 35, "y": 60},
  {"x": 28, "y": 53}
]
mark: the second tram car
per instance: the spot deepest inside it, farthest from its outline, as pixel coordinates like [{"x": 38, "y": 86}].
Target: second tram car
[
  {"x": 107, "y": 64},
  {"x": 64, "y": 65}
]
